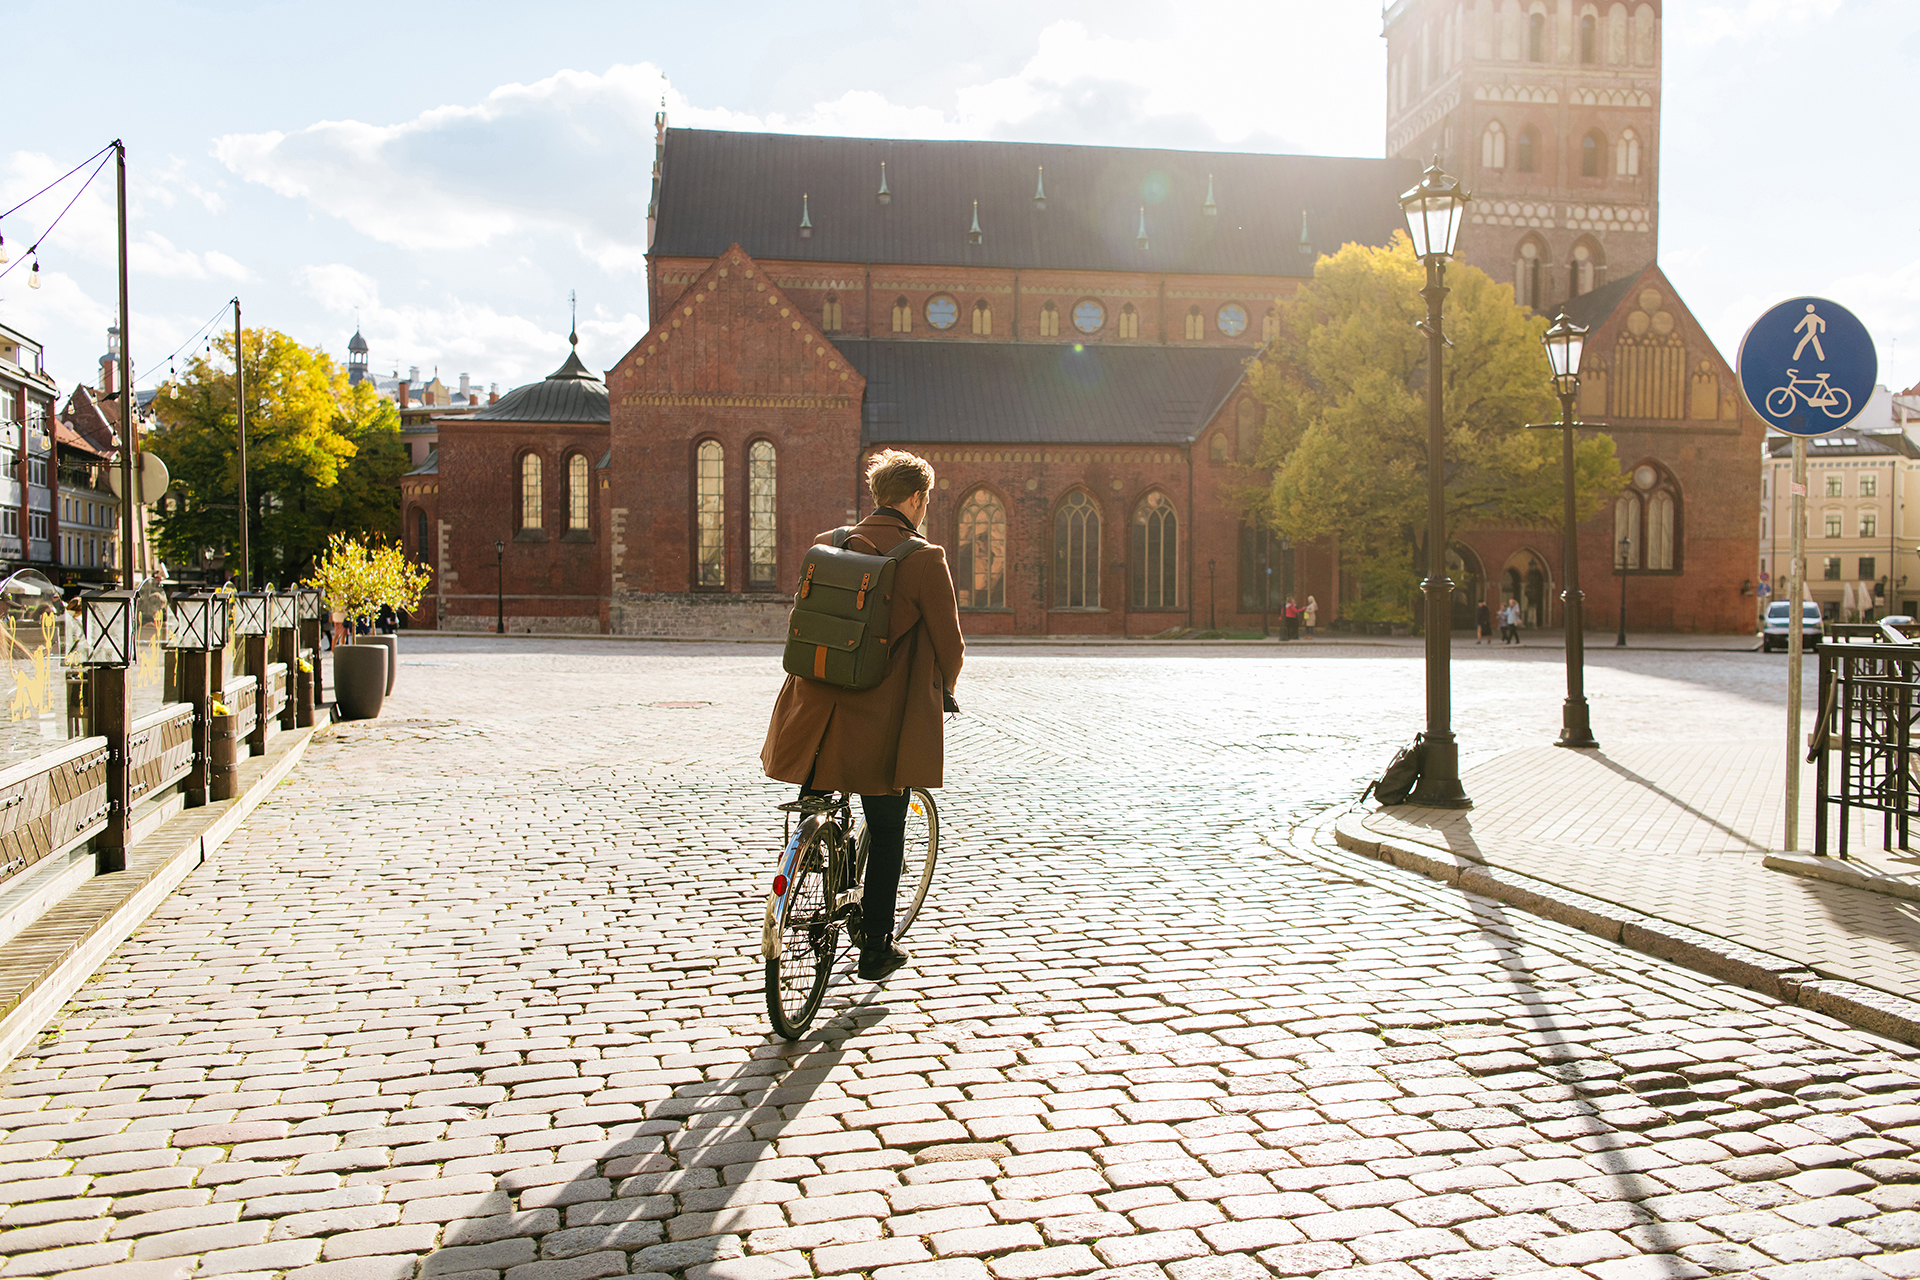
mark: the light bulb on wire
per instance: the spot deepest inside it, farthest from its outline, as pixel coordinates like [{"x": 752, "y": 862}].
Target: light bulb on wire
[
  {"x": 3, "y": 248},
  {"x": 33, "y": 277}
]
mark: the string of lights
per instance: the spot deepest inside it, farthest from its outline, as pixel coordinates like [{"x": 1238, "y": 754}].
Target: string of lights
[
  {"x": 217, "y": 316},
  {"x": 33, "y": 250}
]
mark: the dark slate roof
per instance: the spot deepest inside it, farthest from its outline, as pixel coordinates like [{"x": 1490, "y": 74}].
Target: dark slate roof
[
  {"x": 720, "y": 187},
  {"x": 1039, "y": 393},
  {"x": 570, "y": 393},
  {"x": 1591, "y": 310},
  {"x": 1846, "y": 444},
  {"x": 431, "y": 467},
  {"x": 356, "y": 342}
]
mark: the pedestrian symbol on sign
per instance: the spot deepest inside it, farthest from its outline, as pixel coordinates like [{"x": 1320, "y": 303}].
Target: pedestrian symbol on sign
[{"x": 1813, "y": 325}]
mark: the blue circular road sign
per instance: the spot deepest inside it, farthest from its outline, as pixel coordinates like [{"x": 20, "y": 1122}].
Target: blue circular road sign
[{"x": 1808, "y": 366}]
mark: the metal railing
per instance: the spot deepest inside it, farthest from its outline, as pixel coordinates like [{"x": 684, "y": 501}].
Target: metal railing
[{"x": 1864, "y": 741}]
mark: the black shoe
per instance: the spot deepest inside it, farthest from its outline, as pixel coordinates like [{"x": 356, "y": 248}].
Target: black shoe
[{"x": 880, "y": 960}]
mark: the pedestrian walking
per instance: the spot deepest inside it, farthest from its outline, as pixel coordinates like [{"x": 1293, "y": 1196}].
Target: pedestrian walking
[
  {"x": 877, "y": 742},
  {"x": 1511, "y": 618},
  {"x": 1483, "y": 621},
  {"x": 1292, "y": 631},
  {"x": 1310, "y": 615}
]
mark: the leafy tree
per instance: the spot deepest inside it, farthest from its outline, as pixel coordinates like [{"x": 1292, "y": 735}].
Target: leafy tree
[
  {"x": 322, "y": 457},
  {"x": 1345, "y": 386}
]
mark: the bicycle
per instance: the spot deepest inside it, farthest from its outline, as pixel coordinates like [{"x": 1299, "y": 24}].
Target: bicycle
[
  {"x": 817, "y": 896},
  {"x": 1834, "y": 400}
]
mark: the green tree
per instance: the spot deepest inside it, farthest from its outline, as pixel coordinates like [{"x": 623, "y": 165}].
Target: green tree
[
  {"x": 1345, "y": 386},
  {"x": 322, "y": 457}
]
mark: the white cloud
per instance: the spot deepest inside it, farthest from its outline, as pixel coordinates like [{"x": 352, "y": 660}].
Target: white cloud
[{"x": 1749, "y": 21}]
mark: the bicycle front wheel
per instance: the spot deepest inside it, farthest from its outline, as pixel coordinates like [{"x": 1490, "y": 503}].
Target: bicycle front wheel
[
  {"x": 797, "y": 976},
  {"x": 1780, "y": 401},
  {"x": 916, "y": 868}
]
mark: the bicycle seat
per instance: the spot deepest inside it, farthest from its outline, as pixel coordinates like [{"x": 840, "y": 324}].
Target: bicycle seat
[{"x": 808, "y": 805}]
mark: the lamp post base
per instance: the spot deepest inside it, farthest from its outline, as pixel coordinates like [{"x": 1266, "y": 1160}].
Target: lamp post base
[
  {"x": 1574, "y": 725},
  {"x": 1439, "y": 786}
]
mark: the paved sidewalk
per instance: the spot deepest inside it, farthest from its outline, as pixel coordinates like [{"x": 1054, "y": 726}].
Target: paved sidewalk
[
  {"x": 1679, "y": 831},
  {"x": 476, "y": 994}
]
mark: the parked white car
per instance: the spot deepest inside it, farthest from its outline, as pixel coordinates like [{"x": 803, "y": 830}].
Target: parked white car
[{"x": 1774, "y": 633}]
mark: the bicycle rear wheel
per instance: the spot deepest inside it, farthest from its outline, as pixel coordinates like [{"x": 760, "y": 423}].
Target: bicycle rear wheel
[
  {"x": 797, "y": 977},
  {"x": 916, "y": 870}
]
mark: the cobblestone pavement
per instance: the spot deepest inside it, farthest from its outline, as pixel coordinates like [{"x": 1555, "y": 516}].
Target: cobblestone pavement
[{"x": 474, "y": 994}]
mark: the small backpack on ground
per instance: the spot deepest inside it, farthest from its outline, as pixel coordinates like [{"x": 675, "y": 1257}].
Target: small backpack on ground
[
  {"x": 1402, "y": 775},
  {"x": 837, "y": 633}
]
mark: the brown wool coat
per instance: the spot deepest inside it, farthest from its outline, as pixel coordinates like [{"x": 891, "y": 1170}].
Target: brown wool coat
[{"x": 879, "y": 740}]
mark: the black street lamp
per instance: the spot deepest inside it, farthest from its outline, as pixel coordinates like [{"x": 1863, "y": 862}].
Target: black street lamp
[
  {"x": 1433, "y": 211},
  {"x": 1564, "y": 343},
  {"x": 500, "y": 588},
  {"x": 1620, "y": 563}
]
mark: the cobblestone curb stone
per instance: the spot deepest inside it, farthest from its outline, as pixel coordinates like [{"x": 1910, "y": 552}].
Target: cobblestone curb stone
[{"x": 1771, "y": 975}]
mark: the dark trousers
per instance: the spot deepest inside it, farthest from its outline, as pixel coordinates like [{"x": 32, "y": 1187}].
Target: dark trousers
[{"x": 886, "y": 850}]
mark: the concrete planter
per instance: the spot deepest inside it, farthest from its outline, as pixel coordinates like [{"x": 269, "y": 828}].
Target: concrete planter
[
  {"x": 392, "y": 645},
  {"x": 359, "y": 680}
]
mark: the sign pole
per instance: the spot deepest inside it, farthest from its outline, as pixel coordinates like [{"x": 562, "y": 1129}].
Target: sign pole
[{"x": 1796, "y": 592}]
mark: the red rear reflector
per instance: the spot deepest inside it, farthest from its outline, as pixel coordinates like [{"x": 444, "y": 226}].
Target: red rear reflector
[{"x": 779, "y": 886}]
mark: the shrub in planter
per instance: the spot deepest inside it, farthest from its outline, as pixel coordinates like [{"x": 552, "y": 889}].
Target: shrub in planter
[{"x": 360, "y": 579}]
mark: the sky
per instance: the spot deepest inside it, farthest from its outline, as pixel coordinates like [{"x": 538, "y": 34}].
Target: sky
[{"x": 444, "y": 173}]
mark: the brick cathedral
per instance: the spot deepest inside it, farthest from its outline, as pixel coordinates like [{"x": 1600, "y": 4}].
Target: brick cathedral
[{"x": 1063, "y": 332}]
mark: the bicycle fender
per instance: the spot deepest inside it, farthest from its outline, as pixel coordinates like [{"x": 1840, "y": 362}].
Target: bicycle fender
[{"x": 776, "y": 916}]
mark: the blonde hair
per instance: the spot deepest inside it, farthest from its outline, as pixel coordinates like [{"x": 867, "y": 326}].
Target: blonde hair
[{"x": 894, "y": 475}]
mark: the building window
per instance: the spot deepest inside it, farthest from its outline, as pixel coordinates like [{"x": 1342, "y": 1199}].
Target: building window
[
  {"x": 1156, "y": 554},
  {"x": 1526, "y": 150},
  {"x": 529, "y": 491},
  {"x": 1626, "y": 531},
  {"x": 1526, "y": 274},
  {"x": 1493, "y": 147},
  {"x": 1869, "y": 524},
  {"x": 1196, "y": 324},
  {"x": 422, "y": 539},
  {"x": 830, "y": 314},
  {"x": 902, "y": 316},
  {"x": 1592, "y": 147},
  {"x": 37, "y": 471},
  {"x": 1537, "y": 38},
  {"x": 1660, "y": 510},
  {"x": 1833, "y": 524},
  {"x": 1589, "y": 39},
  {"x": 1231, "y": 320},
  {"x": 710, "y": 508},
  {"x": 1869, "y": 486},
  {"x": 37, "y": 525},
  {"x": 942, "y": 311},
  {"x": 1833, "y": 486},
  {"x": 1626, "y": 155},
  {"x": 982, "y": 319},
  {"x": 1217, "y": 447},
  {"x": 1129, "y": 322},
  {"x": 1866, "y": 568},
  {"x": 980, "y": 553},
  {"x": 1580, "y": 274},
  {"x": 1830, "y": 569},
  {"x": 1247, "y": 428},
  {"x": 1049, "y": 321},
  {"x": 1270, "y": 325},
  {"x": 577, "y": 491},
  {"x": 1089, "y": 315},
  {"x": 762, "y": 517},
  {"x": 1076, "y": 553}
]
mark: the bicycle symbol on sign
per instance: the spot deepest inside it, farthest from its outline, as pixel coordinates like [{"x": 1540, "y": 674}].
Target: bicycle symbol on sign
[{"x": 1814, "y": 390}]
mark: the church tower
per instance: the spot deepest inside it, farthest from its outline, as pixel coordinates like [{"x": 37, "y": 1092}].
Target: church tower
[
  {"x": 356, "y": 359},
  {"x": 1548, "y": 111}
]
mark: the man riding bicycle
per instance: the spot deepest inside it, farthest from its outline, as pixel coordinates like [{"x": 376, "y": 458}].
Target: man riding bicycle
[{"x": 877, "y": 742}]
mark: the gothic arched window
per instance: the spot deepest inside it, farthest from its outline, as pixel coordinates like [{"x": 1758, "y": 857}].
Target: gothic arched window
[
  {"x": 1626, "y": 154},
  {"x": 902, "y": 316},
  {"x": 579, "y": 501},
  {"x": 1049, "y": 321},
  {"x": 1156, "y": 554},
  {"x": 1528, "y": 266},
  {"x": 980, "y": 552},
  {"x": 1270, "y": 325},
  {"x": 710, "y": 514},
  {"x": 529, "y": 491},
  {"x": 1583, "y": 274},
  {"x": 1526, "y": 150},
  {"x": 1493, "y": 147},
  {"x": 830, "y": 314},
  {"x": 422, "y": 537},
  {"x": 1247, "y": 429},
  {"x": 1537, "y": 38},
  {"x": 982, "y": 318},
  {"x": 1589, "y": 39},
  {"x": 1592, "y": 148},
  {"x": 763, "y": 509},
  {"x": 1129, "y": 322},
  {"x": 1649, "y": 516},
  {"x": 1076, "y": 553},
  {"x": 1196, "y": 324}
]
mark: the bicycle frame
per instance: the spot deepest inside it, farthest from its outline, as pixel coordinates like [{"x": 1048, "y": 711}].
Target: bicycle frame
[{"x": 775, "y": 922}]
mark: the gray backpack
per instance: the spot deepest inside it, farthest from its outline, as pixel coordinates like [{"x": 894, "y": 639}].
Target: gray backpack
[{"x": 837, "y": 633}]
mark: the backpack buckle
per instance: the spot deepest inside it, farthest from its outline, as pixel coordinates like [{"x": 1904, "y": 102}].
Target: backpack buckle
[
  {"x": 860, "y": 596},
  {"x": 806, "y": 583}
]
